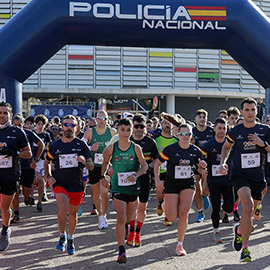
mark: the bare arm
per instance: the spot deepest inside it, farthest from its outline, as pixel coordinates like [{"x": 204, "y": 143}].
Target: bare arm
[
  {"x": 107, "y": 154},
  {"x": 158, "y": 183},
  {"x": 144, "y": 167},
  {"x": 48, "y": 174},
  {"x": 225, "y": 152},
  {"x": 25, "y": 152}
]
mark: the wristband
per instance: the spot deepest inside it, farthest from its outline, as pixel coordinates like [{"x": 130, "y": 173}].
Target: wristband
[
  {"x": 36, "y": 159},
  {"x": 266, "y": 144}
]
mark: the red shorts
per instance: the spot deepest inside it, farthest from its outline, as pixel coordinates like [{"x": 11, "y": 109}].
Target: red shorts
[{"x": 75, "y": 198}]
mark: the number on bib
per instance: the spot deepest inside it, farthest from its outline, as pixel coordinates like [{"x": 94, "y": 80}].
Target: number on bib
[
  {"x": 68, "y": 161},
  {"x": 252, "y": 160},
  {"x": 98, "y": 158},
  {"x": 5, "y": 162},
  {"x": 182, "y": 172},
  {"x": 85, "y": 172},
  {"x": 215, "y": 171},
  {"x": 122, "y": 179}
]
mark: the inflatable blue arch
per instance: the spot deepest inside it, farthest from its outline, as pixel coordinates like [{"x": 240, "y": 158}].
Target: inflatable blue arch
[{"x": 43, "y": 27}]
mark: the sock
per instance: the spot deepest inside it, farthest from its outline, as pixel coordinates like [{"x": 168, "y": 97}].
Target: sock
[
  {"x": 16, "y": 213},
  {"x": 244, "y": 246},
  {"x": 200, "y": 211},
  {"x": 4, "y": 231},
  {"x": 216, "y": 230},
  {"x": 139, "y": 226},
  {"x": 235, "y": 207},
  {"x": 94, "y": 207},
  {"x": 132, "y": 225},
  {"x": 63, "y": 234},
  {"x": 180, "y": 243},
  {"x": 121, "y": 250},
  {"x": 70, "y": 236}
]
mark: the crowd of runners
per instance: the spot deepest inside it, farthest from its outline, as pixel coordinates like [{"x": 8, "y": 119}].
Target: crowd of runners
[{"x": 225, "y": 163}]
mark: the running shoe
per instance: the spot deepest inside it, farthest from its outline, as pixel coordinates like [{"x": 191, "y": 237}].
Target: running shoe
[
  {"x": 179, "y": 250},
  {"x": 225, "y": 219},
  {"x": 130, "y": 240},
  {"x": 32, "y": 201},
  {"x": 245, "y": 255},
  {"x": 159, "y": 209},
  {"x": 217, "y": 237},
  {"x": 102, "y": 222},
  {"x": 137, "y": 241},
  {"x": 206, "y": 202},
  {"x": 167, "y": 222},
  {"x": 80, "y": 211},
  {"x": 257, "y": 214},
  {"x": 61, "y": 243},
  {"x": 39, "y": 206},
  {"x": 70, "y": 247},
  {"x": 237, "y": 241},
  {"x": 200, "y": 218},
  {"x": 122, "y": 258},
  {"x": 15, "y": 219},
  {"x": 105, "y": 222},
  {"x": 27, "y": 201},
  {"x": 94, "y": 212},
  {"x": 4, "y": 240},
  {"x": 236, "y": 216},
  {"x": 44, "y": 197}
]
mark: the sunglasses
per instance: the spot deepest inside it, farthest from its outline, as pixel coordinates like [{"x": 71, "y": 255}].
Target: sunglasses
[
  {"x": 139, "y": 126},
  {"x": 102, "y": 118},
  {"x": 70, "y": 125},
  {"x": 185, "y": 133}
]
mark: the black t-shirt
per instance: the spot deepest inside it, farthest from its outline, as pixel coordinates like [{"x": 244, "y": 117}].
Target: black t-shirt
[
  {"x": 13, "y": 139},
  {"x": 32, "y": 138},
  {"x": 212, "y": 153},
  {"x": 68, "y": 171},
  {"x": 45, "y": 137},
  {"x": 248, "y": 159},
  {"x": 202, "y": 137},
  {"x": 181, "y": 163}
]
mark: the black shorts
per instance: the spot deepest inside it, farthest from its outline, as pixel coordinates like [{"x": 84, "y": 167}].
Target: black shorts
[
  {"x": 162, "y": 176},
  {"x": 27, "y": 178},
  {"x": 125, "y": 197},
  {"x": 8, "y": 188},
  {"x": 145, "y": 188},
  {"x": 256, "y": 187},
  {"x": 94, "y": 176},
  {"x": 175, "y": 186}
]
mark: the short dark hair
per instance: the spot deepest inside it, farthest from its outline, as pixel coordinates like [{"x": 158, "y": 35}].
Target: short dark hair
[
  {"x": 41, "y": 118},
  {"x": 125, "y": 122},
  {"x": 220, "y": 120},
  {"x": 233, "y": 110},
  {"x": 19, "y": 118},
  {"x": 6, "y": 104},
  {"x": 71, "y": 117},
  {"x": 185, "y": 125},
  {"x": 201, "y": 111},
  {"x": 222, "y": 111},
  {"x": 248, "y": 100},
  {"x": 149, "y": 121},
  {"x": 30, "y": 119},
  {"x": 56, "y": 120},
  {"x": 239, "y": 119},
  {"x": 139, "y": 118}
]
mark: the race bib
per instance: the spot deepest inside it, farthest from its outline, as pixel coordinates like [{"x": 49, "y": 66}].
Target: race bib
[
  {"x": 182, "y": 172},
  {"x": 5, "y": 162},
  {"x": 215, "y": 171},
  {"x": 98, "y": 158},
  {"x": 122, "y": 179},
  {"x": 163, "y": 166},
  {"x": 251, "y": 160},
  {"x": 85, "y": 172},
  {"x": 68, "y": 161}
]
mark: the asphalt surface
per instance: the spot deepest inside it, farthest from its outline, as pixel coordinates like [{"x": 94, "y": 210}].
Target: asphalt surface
[{"x": 33, "y": 243}]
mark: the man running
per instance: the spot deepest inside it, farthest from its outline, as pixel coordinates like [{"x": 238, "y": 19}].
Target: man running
[
  {"x": 69, "y": 155},
  {"x": 202, "y": 134},
  {"x": 13, "y": 146},
  {"x": 98, "y": 138},
  {"x": 250, "y": 141}
]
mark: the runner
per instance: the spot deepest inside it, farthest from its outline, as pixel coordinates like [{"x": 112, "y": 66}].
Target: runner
[
  {"x": 98, "y": 138},
  {"x": 164, "y": 139},
  {"x": 13, "y": 145},
  {"x": 233, "y": 115},
  {"x": 68, "y": 155},
  {"x": 27, "y": 169},
  {"x": 41, "y": 122},
  {"x": 150, "y": 152},
  {"x": 182, "y": 158},
  {"x": 202, "y": 134},
  {"x": 128, "y": 164},
  {"x": 219, "y": 185},
  {"x": 251, "y": 140}
]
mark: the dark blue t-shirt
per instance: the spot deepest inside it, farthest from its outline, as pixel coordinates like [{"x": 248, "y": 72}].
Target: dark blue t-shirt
[
  {"x": 212, "y": 153},
  {"x": 181, "y": 163},
  {"x": 13, "y": 139},
  {"x": 202, "y": 137},
  {"x": 45, "y": 137},
  {"x": 248, "y": 159},
  {"x": 68, "y": 172}
]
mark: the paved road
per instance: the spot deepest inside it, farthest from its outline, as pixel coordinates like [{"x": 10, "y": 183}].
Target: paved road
[{"x": 34, "y": 238}]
